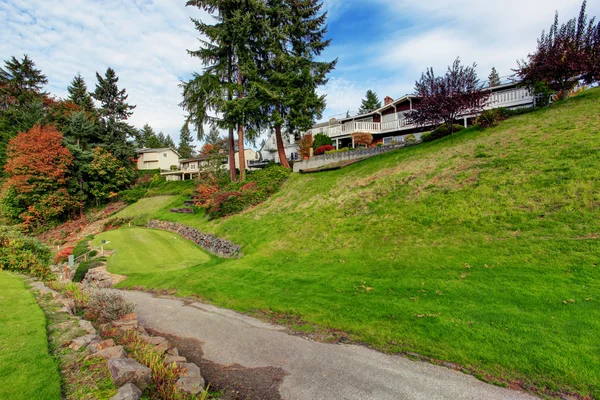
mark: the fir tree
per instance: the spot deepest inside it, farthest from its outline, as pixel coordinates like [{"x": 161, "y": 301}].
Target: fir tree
[
  {"x": 20, "y": 81},
  {"x": 291, "y": 75},
  {"x": 114, "y": 112},
  {"x": 80, "y": 131},
  {"x": 369, "y": 103},
  {"x": 494, "y": 78},
  {"x": 78, "y": 93},
  {"x": 169, "y": 142},
  {"x": 186, "y": 148}
]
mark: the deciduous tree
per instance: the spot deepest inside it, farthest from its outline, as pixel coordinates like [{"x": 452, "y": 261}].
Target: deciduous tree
[
  {"x": 564, "y": 55},
  {"x": 444, "y": 98},
  {"x": 108, "y": 175},
  {"x": 36, "y": 171}
]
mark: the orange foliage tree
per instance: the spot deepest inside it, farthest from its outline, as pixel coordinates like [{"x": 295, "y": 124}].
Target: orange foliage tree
[
  {"x": 362, "y": 138},
  {"x": 36, "y": 169}
]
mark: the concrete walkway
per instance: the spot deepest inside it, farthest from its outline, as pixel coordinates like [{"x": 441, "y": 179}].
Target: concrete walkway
[{"x": 313, "y": 370}]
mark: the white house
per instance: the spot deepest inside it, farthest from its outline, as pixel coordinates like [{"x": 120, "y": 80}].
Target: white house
[
  {"x": 269, "y": 150},
  {"x": 389, "y": 123},
  {"x": 162, "y": 159}
]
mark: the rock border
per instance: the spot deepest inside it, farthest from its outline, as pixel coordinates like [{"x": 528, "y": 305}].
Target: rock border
[{"x": 220, "y": 247}]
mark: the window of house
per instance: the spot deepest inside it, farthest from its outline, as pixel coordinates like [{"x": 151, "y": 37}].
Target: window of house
[
  {"x": 165, "y": 155},
  {"x": 193, "y": 166},
  {"x": 387, "y": 140}
]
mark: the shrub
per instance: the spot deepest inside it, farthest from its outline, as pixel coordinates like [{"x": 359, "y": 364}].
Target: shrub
[
  {"x": 362, "y": 138},
  {"x": 489, "y": 118},
  {"x": 320, "y": 140},
  {"x": 104, "y": 306},
  {"x": 23, "y": 254},
  {"x": 132, "y": 195},
  {"x": 324, "y": 148},
  {"x": 410, "y": 139},
  {"x": 304, "y": 145},
  {"x": 83, "y": 268},
  {"x": 82, "y": 246},
  {"x": 205, "y": 193},
  {"x": 63, "y": 255},
  {"x": 115, "y": 223},
  {"x": 379, "y": 144}
]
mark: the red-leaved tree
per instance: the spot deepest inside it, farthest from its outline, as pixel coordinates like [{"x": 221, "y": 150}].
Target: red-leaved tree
[
  {"x": 362, "y": 138},
  {"x": 36, "y": 168},
  {"x": 565, "y": 55},
  {"x": 444, "y": 98}
]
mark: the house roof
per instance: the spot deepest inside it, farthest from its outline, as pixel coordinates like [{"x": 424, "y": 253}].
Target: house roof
[
  {"x": 145, "y": 150},
  {"x": 192, "y": 159}
]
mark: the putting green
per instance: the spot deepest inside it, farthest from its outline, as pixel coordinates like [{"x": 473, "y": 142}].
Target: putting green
[{"x": 141, "y": 251}]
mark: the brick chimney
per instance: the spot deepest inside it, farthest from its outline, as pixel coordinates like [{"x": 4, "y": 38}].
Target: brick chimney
[{"x": 387, "y": 100}]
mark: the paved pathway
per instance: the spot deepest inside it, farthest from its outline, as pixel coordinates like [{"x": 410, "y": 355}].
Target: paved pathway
[{"x": 314, "y": 371}]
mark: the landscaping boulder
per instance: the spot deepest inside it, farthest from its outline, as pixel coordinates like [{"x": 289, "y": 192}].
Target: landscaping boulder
[
  {"x": 190, "y": 381},
  {"x": 95, "y": 347},
  {"x": 173, "y": 351},
  {"x": 127, "y": 370},
  {"x": 87, "y": 326},
  {"x": 128, "y": 392},
  {"x": 175, "y": 359},
  {"x": 68, "y": 304},
  {"x": 82, "y": 341},
  {"x": 111, "y": 352},
  {"x": 125, "y": 325},
  {"x": 155, "y": 340}
]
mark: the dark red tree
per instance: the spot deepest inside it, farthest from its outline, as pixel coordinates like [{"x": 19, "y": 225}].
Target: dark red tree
[
  {"x": 444, "y": 98},
  {"x": 565, "y": 55}
]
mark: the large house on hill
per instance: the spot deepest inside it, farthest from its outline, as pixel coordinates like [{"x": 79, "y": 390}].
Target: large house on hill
[
  {"x": 388, "y": 124},
  {"x": 162, "y": 159}
]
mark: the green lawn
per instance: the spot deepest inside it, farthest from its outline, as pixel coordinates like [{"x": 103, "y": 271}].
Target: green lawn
[
  {"x": 481, "y": 249},
  {"x": 141, "y": 251},
  {"x": 27, "y": 371}
]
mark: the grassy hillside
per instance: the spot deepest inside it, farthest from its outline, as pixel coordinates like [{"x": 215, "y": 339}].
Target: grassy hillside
[
  {"x": 480, "y": 249},
  {"x": 27, "y": 371}
]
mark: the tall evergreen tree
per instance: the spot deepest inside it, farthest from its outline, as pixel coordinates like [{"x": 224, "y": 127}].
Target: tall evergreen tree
[
  {"x": 289, "y": 73},
  {"x": 20, "y": 81},
  {"x": 186, "y": 147},
  {"x": 78, "y": 93},
  {"x": 369, "y": 103},
  {"x": 80, "y": 130},
  {"x": 494, "y": 78},
  {"x": 114, "y": 112},
  {"x": 169, "y": 142}
]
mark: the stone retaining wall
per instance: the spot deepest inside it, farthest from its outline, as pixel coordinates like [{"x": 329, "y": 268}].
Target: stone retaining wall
[
  {"x": 332, "y": 158},
  {"x": 217, "y": 246}
]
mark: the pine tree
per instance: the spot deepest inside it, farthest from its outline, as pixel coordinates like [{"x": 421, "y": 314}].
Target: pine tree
[
  {"x": 291, "y": 75},
  {"x": 114, "y": 112},
  {"x": 494, "y": 78},
  {"x": 369, "y": 103},
  {"x": 80, "y": 130},
  {"x": 78, "y": 93},
  {"x": 186, "y": 148},
  {"x": 20, "y": 81},
  {"x": 169, "y": 142}
]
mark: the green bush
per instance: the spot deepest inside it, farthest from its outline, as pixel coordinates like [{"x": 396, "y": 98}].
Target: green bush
[
  {"x": 23, "y": 254},
  {"x": 410, "y": 139},
  {"x": 82, "y": 246},
  {"x": 490, "y": 118},
  {"x": 321, "y": 139},
  {"x": 236, "y": 197},
  {"x": 83, "y": 268},
  {"x": 132, "y": 195},
  {"x": 342, "y": 150}
]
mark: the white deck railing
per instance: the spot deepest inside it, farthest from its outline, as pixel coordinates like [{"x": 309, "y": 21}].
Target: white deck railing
[{"x": 507, "y": 98}]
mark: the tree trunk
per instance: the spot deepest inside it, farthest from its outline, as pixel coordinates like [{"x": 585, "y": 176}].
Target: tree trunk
[
  {"x": 242, "y": 155},
  {"x": 280, "y": 149},
  {"x": 232, "y": 173}
]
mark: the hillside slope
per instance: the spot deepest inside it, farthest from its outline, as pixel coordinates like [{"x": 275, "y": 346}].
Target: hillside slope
[{"x": 480, "y": 249}]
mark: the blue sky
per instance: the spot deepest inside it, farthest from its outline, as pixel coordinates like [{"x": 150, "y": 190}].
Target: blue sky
[{"x": 382, "y": 45}]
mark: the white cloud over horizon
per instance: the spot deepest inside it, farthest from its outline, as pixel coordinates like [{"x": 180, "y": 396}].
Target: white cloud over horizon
[{"x": 146, "y": 42}]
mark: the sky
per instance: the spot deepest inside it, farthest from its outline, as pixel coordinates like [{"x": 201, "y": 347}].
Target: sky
[{"x": 383, "y": 45}]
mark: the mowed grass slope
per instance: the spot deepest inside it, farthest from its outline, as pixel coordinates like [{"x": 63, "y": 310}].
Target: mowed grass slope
[
  {"x": 480, "y": 249},
  {"x": 149, "y": 252},
  {"x": 27, "y": 371}
]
